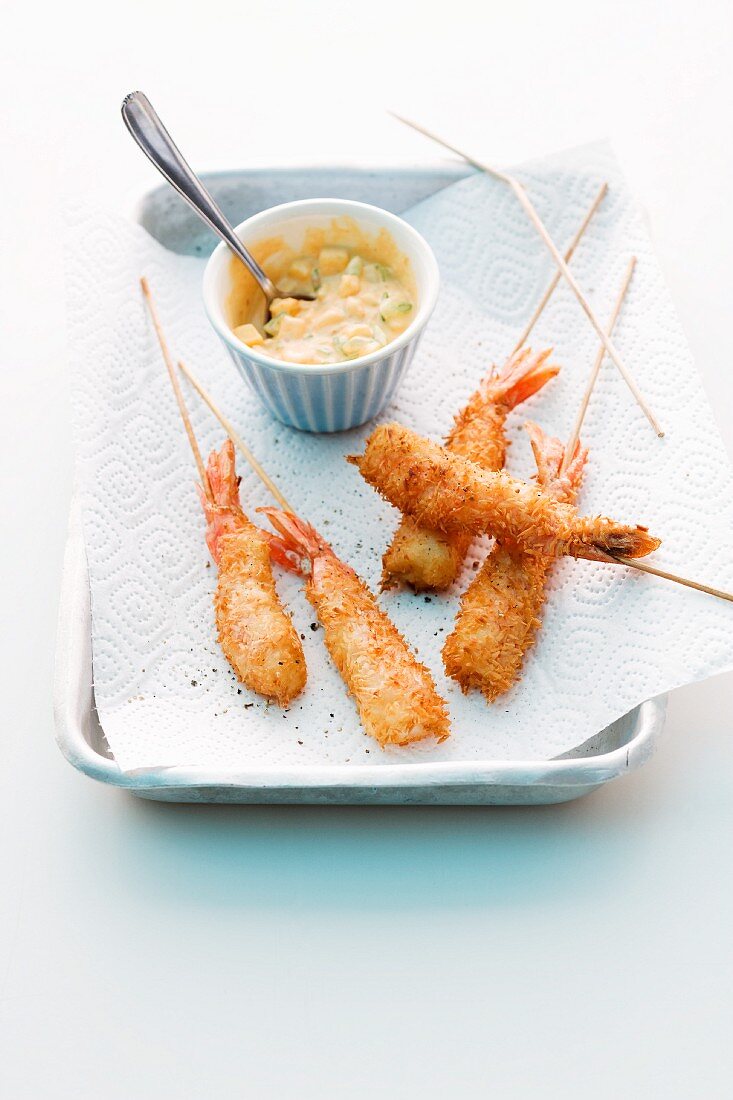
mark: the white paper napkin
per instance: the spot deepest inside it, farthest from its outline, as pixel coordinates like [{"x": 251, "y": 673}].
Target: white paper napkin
[{"x": 610, "y": 639}]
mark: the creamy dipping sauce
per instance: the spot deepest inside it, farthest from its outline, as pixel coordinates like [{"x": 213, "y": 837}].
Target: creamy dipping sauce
[{"x": 361, "y": 303}]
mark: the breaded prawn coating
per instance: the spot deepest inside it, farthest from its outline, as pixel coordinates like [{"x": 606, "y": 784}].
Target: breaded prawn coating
[
  {"x": 255, "y": 632},
  {"x": 500, "y": 610},
  {"x": 394, "y": 693},
  {"x": 426, "y": 558},
  {"x": 450, "y": 493}
]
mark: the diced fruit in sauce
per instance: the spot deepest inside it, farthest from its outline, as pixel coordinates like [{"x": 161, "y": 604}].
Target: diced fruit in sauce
[
  {"x": 291, "y": 327},
  {"x": 377, "y": 273},
  {"x": 359, "y": 306},
  {"x": 284, "y": 305},
  {"x": 394, "y": 312},
  {"x": 332, "y": 261},
  {"x": 350, "y": 284},
  {"x": 354, "y": 346},
  {"x": 249, "y": 335},
  {"x": 358, "y": 330},
  {"x": 289, "y": 285},
  {"x": 354, "y": 306},
  {"x": 329, "y": 317},
  {"x": 301, "y": 269}
]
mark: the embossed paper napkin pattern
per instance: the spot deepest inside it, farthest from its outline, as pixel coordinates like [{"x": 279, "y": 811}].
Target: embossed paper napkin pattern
[{"x": 610, "y": 638}]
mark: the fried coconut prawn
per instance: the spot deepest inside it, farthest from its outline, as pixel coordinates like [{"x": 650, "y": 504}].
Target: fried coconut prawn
[
  {"x": 444, "y": 491},
  {"x": 426, "y": 558},
  {"x": 394, "y": 693},
  {"x": 255, "y": 632},
  {"x": 500, "y": 610}
]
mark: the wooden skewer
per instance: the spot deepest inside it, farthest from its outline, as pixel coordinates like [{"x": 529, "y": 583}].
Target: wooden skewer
[
  {"x": 235, "y": 437},
  {"x": 602, "y": 192},
  {"x": 176, "y": 388},
  {"x": 644, "y": 567},
  {"x": 616, "y": 559},
  {"x": 575, "y": 433},
  {"x": 565, "y": 271}
]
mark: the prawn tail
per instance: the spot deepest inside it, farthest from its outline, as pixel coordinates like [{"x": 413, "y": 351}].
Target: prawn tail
[
  {"x": 284, "y": 556},
  {"x": 521, "y": 376},
  {"x": 576, "y": 466},
  {"x": 549, "y": 454},
  {"x": 634, "y": 542},
  {"x": 297, "y": 544},
  {"x": 223, "y": 510},
  {"x": 222, "y": 477}
]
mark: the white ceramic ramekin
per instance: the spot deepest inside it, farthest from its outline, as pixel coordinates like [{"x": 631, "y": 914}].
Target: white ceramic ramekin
[{"x": 333, "y": 396}]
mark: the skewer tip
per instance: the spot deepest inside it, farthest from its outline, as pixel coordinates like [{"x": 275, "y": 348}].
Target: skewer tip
[{"x": 407, "y": 122}]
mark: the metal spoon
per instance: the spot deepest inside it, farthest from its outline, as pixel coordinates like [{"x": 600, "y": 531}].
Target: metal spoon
[{"x": 157, "y": 144}]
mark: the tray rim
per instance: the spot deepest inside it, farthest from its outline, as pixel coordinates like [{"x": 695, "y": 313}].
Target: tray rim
[
  {"x": 73, "y": 675},
  {"x": 435, "y": 166}
]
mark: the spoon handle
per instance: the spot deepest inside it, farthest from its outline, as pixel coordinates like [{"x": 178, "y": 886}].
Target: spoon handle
[{"x": 157, "y": 144}]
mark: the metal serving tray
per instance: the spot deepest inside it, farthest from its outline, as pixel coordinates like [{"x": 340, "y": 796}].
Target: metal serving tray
[{"x": 618, "y": 749}]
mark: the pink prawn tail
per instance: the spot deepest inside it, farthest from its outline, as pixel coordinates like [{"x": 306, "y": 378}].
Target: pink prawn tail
[
  {"x": 222, "y": 475},
  {"x": 224, "y": 514},
  {"x": 298, "y": 543},
  {"x": 521, "y": 376},
  {"x": 549, "y": 454},
  {"x": 283, "y": 556}
]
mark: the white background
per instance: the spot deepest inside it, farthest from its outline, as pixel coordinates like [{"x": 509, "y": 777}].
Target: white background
[{"x": 157, "y": 951}]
